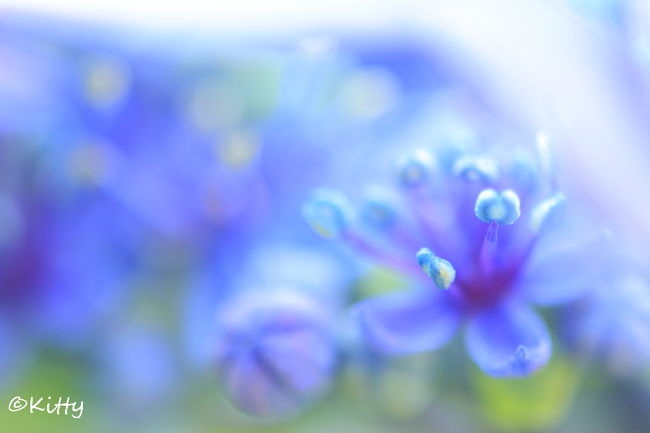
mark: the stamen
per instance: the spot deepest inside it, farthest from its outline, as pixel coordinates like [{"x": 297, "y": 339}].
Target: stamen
[
  {"x": 415, "y": 171},
  {"x": 453, "y": 146},
  {"x": 439, "y": 270},
  {"x": 476, "y": 169},
  {"x": 378, "y": 210},
  {"x": 489, "y": 248},
  {"x": 546, "y": 211},
  {"x": 503, "y": 208},
  {"x": 330, "y": 215},
  {"x": 433, "y": 222},
  {"x": 379, "y": 255},
  {"x": 328, "y": 212}
]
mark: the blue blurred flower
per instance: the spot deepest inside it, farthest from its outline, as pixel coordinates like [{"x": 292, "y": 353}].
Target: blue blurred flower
[
  {"x": 274, "y": 323},
  {"x": 276, "y": 353},
  {"x": 488, "y": 226}
]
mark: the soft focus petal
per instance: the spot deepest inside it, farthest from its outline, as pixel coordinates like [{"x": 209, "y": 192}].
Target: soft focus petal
[
  {"x": 507, "y": 341},
  {"x": 621, "y": 340},
  {"x": 565, "y": 264},
  {"x": 408, "y": 322},
  {"x": 614, "y": 325}
]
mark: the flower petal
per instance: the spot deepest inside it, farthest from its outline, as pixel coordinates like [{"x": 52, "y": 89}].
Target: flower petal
[
  {"x": 508, "y": 341},
  {"x": 613, "y": 325},
  {"x": 563, "y": 267},
  {"x": 408, "y": 322}
]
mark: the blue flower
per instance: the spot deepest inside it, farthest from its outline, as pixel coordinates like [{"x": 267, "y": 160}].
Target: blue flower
[
  {"x": 255, "y": 265},
  {"x": 483, "y": 232},
  {"x": 276, "y": 353}
]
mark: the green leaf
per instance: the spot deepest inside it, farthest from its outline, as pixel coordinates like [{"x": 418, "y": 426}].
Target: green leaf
[
  {"x": 49, "y": 378},
  {"x": 531, "y": 403}
]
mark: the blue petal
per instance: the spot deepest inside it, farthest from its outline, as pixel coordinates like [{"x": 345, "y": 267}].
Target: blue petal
[
  {"x": 620, "y": 339},
  {"x": 508, "y": 341},
  {"x": 408, "y": 322},
  {"x": 614, "y": 324},
  {"x": 564, "y": 266}
]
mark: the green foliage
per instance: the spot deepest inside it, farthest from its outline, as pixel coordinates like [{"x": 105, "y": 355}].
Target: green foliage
[
  {"x": 49, "y": 377},
  {"x": 528, "y": 404}
]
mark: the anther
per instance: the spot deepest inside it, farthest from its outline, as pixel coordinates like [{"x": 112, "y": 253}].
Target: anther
[
  {"x": 378, "y": 209},
  {"x": 439, "y": 270},
  {"x": 416, "y": 169},
  {"x": 475, "y": 169},
  {"x": 503, "y": 208},
  {"x": 328, "y": 212}
]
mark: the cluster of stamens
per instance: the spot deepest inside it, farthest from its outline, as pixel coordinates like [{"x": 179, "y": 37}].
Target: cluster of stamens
[{"x": 433, "y": 224}]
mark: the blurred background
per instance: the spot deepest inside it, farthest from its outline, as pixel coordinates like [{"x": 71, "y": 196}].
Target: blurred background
[{"x": 153, "y": 165}]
